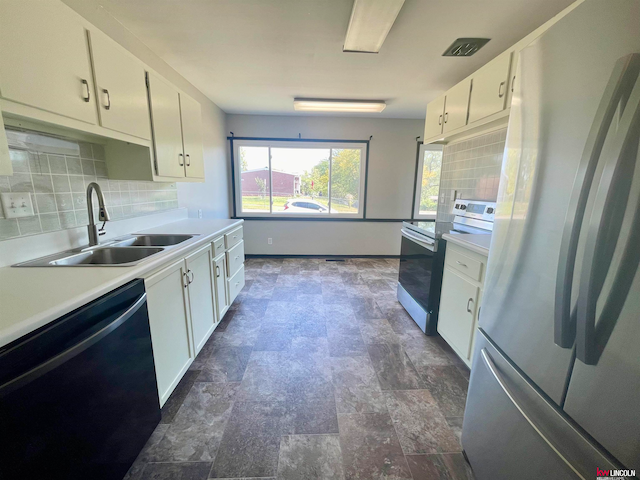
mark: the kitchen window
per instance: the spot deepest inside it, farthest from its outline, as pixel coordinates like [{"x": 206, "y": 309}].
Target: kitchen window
[
  {"x": 428, "y": 181},
  {"x": 299, "y": 178}
]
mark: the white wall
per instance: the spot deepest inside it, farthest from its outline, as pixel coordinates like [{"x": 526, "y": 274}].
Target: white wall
[
  {"x": 392, "y": 156},
  {"x": 214, "y": 195}
]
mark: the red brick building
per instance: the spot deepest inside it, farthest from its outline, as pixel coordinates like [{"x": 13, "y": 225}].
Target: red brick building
[{"x": 284, "y": 184}]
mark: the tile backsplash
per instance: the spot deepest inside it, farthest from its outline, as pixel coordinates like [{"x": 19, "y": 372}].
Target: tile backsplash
[
  {"x": 472, "y": 169},
  {"x": 57, "y": 172}
]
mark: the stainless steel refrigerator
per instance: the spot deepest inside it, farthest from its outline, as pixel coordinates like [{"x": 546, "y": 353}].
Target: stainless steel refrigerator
[{"x": 555, "y": 383}]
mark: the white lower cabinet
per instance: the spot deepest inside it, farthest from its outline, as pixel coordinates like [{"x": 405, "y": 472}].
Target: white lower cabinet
[
  {"x": 167, "y": 302},
  {"x": 186, "y": 301},
  {"x": 201, "y": 296},
  {"x": 222, "y": 297},
  {"x": 460, "y": 299}
]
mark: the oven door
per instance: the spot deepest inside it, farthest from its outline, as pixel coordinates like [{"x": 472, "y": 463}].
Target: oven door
[{"x": 417, "y": 255}]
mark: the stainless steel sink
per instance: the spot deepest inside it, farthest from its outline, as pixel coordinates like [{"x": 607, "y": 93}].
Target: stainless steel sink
[
  {"x": 99, "y": 256},
  {"x": 151, "y": 240}
]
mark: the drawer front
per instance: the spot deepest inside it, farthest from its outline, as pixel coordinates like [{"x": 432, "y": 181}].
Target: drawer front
[
  {"x": 236, "y": 283},
  {"x": 471, "y": 267},
  {"x": 233, "y": 238},
  {"x": 235, "y": 258},
  {"x": 218, "y": 246}
]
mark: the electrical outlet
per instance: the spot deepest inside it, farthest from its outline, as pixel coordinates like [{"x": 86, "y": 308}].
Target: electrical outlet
[
  {"x": 270, "y": 241},
  {"x": 199, "y": 213},
  {"x": 17, "y": 204}
]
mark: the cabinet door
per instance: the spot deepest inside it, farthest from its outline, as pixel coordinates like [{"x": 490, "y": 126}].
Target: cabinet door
[
  {"x": 120, "y": 87},
  {"x": 192, "y": 136},
  {"x": 458, "y": 303},
  {"x": 201, "y": 296},
  {"x": 167, "y": 128},
  {"x": 490, "y": 87},
  {"x": 169, "y": 322},
  {"x": 222, "y": 298},
  {"x": 434, "y": 121},
  {"x": 456, "y": 106},
  {"x": 44, "y": 58}
]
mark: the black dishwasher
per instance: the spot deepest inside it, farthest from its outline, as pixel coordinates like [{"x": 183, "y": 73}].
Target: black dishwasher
[{"x": 78, "y": 397}]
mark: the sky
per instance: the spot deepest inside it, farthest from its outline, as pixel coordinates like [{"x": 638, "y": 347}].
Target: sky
[{"x": 291, "y": 160}]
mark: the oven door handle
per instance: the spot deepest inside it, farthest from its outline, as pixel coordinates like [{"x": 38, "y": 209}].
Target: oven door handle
[{"x": 420, "y": 241}]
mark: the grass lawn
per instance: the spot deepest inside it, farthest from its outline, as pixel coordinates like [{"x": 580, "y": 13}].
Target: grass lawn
[{"x": 258, "y": 204}]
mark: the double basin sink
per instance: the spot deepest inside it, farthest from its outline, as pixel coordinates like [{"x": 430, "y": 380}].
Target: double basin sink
[{"x": 123, "y": 252}]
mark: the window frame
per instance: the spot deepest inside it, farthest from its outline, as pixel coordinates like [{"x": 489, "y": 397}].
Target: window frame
[
  {"x": 434, "y": 147},
  {"x": 297, "y": 143}
]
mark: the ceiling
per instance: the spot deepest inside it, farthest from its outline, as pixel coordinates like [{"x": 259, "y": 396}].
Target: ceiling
[{"x": 255, "y": 56}]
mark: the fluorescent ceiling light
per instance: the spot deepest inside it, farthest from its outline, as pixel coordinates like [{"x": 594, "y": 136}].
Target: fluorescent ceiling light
[
  {"x": 318, "y": 105},
  {"x": 370, "y": 23}
]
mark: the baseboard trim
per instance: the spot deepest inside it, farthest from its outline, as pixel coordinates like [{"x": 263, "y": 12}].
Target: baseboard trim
[{"x": 318, "y": 256}]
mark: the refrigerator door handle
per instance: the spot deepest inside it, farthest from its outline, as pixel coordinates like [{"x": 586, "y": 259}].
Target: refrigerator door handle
[
  {"x": 604, "y": 228},
  {"x": 618, "y": 89},
  {"x": 486, "y": 357}
]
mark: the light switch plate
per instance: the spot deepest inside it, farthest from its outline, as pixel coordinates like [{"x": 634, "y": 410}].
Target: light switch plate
[{"x": 16, "y": 205}]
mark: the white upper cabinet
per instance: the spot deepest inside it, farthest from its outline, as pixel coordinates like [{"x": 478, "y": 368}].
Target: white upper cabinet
[
  {"x": 490, "y": 88},
  {"x": 456, "y": 106},
  {"x": 435, "y": 115},
  {"x": 167, "y": 128},
  {"x": 192, "y": 136},
  {"x": 44, "y": 59},
  {"x": 120, "y": 88}
]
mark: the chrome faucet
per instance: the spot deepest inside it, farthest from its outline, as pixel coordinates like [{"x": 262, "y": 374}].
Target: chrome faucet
[{"x": 103, "y": 214}]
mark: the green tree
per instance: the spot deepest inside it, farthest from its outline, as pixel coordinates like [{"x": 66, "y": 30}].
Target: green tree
[
  {"x": 316, "y": 182},
  {"x": 262, "y": 186},
  {"x": 345, "y": 176},
  {"x": 430, "y": 181},
  {"x": 244, "y": 164}
]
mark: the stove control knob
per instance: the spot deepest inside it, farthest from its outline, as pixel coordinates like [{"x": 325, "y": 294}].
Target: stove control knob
[
  {"x": 489, "y": 210},
  {"x": 463, "y": 207}
]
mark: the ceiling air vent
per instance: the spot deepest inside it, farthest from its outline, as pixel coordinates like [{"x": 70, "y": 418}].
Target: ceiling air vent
[{"x": 465, "y": 47}]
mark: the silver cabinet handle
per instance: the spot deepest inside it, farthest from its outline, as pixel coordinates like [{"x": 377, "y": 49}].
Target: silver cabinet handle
[
  {"x": 461, "y": 264},
  {"x": 237, "y": 257},
  {"x": 440, "y": 120},
  {"x": 108, "y": 105},
  {"x": 188, "y": 157},
  {"x": 217, "y": 271},
  {"x": 513, "y": 82},
  {"x": 446, "y": 117},
  {"x": 186, "y": 279},
  {"x": 180, "y": 161},
  {"x": 192, "y": 276},
  {"x": 468, "y": 305},
  {"x": 86, "y": 86},
  {"x": 500, "y": 92}
]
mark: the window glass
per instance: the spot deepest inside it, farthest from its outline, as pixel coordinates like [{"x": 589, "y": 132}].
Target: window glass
[
  {"x": 300, "y": 173},
  {"x": 255, "y": 180},
  {"x": 430, "y": 184},
  {"x": 345, "y": 180}
]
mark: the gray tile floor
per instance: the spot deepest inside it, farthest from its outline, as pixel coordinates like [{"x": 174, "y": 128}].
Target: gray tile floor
[{"x": 316, "y": 372}]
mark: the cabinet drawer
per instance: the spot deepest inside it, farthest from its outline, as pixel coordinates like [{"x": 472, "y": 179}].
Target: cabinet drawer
[
  {"x": 233, "y": 238},
  {"x": 235, "y": 258},
  {"x": 218, "y": 246},
  {"x": 471, "y": 267},
  {"x": 236, "y": 283}
]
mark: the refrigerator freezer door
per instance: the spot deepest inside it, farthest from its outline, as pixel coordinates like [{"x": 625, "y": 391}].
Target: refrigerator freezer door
[
  {"x": 511, "y": 431},
  {"x": 563, "y": 76}
]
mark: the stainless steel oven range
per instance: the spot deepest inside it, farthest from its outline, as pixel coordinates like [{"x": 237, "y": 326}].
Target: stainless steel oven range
[{"x": 422, "y": 258}]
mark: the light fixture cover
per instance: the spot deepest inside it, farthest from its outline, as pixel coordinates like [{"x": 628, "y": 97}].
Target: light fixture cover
[
  {"x": 322, "y": 105},
  {"x": 370, "y": 23}
]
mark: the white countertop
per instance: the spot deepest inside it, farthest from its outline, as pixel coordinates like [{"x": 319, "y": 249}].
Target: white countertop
[
  {"x": 31, "y": 297},
  {"x": 478, "y": 243}
]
